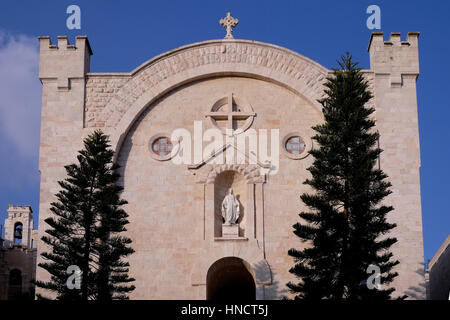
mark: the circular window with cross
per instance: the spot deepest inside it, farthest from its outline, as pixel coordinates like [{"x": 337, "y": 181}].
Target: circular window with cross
[
  {"x": 295, "y": 147},
  {"x": 161, "y": 147},
  {"x": 231, "y": 115}
]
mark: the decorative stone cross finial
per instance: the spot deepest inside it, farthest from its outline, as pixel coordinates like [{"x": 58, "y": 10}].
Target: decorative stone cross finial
[{"x": 229, "y": 23}]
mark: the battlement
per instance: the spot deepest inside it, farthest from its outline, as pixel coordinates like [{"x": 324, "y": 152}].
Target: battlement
[
  {"x": 377, "y": 39},
  {"x": 12, "y": 208},
  {"x": 64, "y": 61},
  {"x": 63, "y": 43},
  {"x": 395, "y": 57}
]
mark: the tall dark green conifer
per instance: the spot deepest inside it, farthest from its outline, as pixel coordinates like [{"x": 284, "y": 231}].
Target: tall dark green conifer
[
  {"x": 85, "y": 228},
  {"x": 113, "y": 279},
  {"x": 346, "y": 229}
]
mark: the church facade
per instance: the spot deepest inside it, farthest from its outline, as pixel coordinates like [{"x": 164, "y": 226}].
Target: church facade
[{"x": 162, "y": 119}]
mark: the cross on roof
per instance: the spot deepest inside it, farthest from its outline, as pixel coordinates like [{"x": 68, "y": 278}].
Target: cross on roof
[
  {"x": 229, "y": 23},
  {"x": 230, "y": 114}
]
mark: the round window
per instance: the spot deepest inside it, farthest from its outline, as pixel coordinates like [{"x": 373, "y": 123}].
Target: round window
[
  {"x": 162, "y": 146},
  {"x": 295, "y": 145}
]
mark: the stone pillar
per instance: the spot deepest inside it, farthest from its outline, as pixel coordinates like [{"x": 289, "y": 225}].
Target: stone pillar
[
  {"x": 250, "y": 231},
  {"x": 259, "y": 212},
  {"x": 209, "y": 212}
]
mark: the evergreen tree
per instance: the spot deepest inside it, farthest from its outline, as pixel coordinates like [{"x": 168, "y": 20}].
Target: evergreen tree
[
  {"x": 85, "y": 228},
  {"x": 346, "y": 228},
  {"x": 113, "y": 279}
]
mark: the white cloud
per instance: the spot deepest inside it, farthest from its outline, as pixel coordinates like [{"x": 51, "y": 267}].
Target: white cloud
[
  {"x": 20, "y": 95},
  {"x": 20, "y": 113}
]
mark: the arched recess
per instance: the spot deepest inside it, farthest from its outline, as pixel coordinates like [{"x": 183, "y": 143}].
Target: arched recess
[
  {"x": 15, "y": 284},
  {"x": 237, "y": 182},
  {"x": 18, "y": 232},
  {"x": 204, "y": 60},
  {"x": 248, "y": 180},
  {"x": 230, "y": 278}
]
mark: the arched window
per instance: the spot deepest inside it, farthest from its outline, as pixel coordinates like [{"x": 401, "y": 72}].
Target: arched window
[
  {"x": 18, "y": 230},
  {"x": 15, "y": 284}
]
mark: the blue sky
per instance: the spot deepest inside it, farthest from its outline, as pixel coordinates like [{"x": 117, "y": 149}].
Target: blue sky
[{"x": 124, "y": 34}]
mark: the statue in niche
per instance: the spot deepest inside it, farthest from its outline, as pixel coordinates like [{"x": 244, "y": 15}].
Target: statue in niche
[{"x": 230, "y": 208}]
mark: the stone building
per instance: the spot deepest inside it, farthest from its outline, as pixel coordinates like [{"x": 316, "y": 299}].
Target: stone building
[
  {"x": 439, "y": 273},
  {"x": 162, "y": 118},
  {"x": 18, "y": 254}
]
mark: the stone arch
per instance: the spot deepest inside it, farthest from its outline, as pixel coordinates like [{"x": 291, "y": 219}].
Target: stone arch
[
  {"x": 251, "y": 173},
  {"x": 203, "y": 60},
  {"x": 260, "y": 269}
]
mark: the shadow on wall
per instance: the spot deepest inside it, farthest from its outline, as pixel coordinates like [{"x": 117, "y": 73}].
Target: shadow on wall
[
  {"x": 270, "y": 291},
  {"x": 274, "y": 291},
  {"x": 418, "y": 292}
]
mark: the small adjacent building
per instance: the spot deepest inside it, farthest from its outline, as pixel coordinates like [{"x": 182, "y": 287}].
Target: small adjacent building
[
  {"x": 439, "y": 273},
  {"x": 18, "y": 255}
]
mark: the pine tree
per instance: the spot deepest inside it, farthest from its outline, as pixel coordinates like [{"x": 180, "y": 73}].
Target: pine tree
[
  {"x": 85, "y": 228},
  {"x": 113, "y": 279},
  {"x": 346, "y": 229}
]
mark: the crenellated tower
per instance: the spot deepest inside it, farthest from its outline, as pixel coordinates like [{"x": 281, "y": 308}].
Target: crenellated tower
[
  {"x": 63, "y": 69},
  {"x": 395, "y": 67},
  {"x": 64, "y": 62},
  {"x": 396, "y": 58}
]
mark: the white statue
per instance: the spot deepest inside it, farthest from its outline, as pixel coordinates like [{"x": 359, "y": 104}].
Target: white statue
[{"x": 230, "y": 208}]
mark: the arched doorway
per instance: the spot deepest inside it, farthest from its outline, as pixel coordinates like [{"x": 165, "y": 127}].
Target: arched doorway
[
  {"x": 230, "y": 278},
  {"x": 15, "y": 284}
]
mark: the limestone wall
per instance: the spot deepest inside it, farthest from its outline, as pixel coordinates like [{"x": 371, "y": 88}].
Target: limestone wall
[{"x": 395, "y": 65}]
